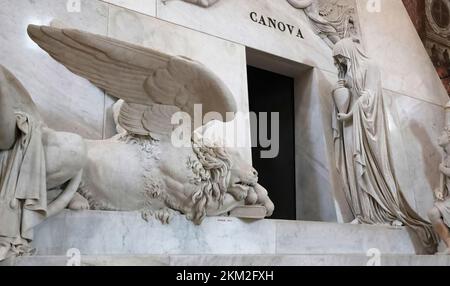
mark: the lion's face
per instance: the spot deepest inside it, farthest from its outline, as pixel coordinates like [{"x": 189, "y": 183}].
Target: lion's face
[
  {"x": 243, "y": 184},
  {"x": 233, "y": 182},
  {"x": 243, "y": 175}
]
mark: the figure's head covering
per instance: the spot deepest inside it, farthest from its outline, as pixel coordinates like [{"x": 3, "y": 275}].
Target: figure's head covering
[{"x": 357, "y": 58}]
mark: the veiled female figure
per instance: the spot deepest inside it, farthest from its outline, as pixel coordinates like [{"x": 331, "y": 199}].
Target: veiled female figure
[{"x": 361, "y": 145}]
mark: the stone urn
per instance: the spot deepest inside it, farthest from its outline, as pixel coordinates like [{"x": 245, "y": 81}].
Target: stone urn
[{"x": 341, "y": 97}]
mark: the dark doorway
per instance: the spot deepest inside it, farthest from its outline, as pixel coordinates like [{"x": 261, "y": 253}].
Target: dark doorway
[{"x": 270, "y": 92}]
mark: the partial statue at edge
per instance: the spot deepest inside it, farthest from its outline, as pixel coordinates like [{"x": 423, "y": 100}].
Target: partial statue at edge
[
  {"x": 440, "y": 213},
  {"x": 158, "y": 178},
  {"x": 362, "y": 154}
]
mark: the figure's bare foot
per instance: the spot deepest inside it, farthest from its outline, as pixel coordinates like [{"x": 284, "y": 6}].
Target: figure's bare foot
[
  {"x": 4, "y": 250},
  {"x": 397, "y": 223},
  {"x": 78, "y": 203},
  {"x": 355, "y": 221}
]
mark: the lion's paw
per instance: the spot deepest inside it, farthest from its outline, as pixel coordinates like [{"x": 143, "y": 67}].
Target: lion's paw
[
  {"x": 78, "y": 203},
  {"x": 252, "y": 197},
  {"x": 164, "y": 215},
  {"x": 238, "y": 193},
  {"x": 264, "y": 200}
]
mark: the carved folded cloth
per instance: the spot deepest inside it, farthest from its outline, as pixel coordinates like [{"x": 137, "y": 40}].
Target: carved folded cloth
[
  {"x": 363, "y": 156},
  {"x": 23, "y": 194},
  {"x": 444, "y": 208},
  {"x": 320, "y": 26}
]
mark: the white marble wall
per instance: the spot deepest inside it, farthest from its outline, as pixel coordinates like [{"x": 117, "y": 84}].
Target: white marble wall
[
  {"x": 147, "y": 7},
  {"x": 414, "y": 98},
  {"x": 67, "y": 102},
  {"x": 314, "y": 185},
  {"x": 392, "y": 40},
  {"x": 230, "y": 19},
  {"x": 218, "y": 37},
  {"x": 415, "y": 126},
  {"x": 226, "y": 59}
]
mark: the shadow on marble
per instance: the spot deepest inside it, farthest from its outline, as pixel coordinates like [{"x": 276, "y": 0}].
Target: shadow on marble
[
  {"x": 416, "y": 126},
  {"x": 391, "y": 38},
  {"x": 315, "y": 198}
]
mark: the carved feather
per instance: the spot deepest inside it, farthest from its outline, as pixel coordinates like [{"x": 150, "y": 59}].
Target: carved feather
[{"x": 147, "y": 80}]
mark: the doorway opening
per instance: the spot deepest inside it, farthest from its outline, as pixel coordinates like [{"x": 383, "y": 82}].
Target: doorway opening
[
  {"x": 274, "y": 93},
  {"x": 300, "y": 179}
]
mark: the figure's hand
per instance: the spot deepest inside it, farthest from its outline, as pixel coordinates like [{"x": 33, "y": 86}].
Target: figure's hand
[
  {"x": 343, "y": 117},
  {"x": 439, "y": 195},
  {"x": 365, "y": 97},
  {"x": 339, "y": 84}
]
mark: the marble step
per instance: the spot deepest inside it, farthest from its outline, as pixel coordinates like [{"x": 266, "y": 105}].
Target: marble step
[
  {"x": 125, "y": 233},
  {"x": 235, "y": 260}
]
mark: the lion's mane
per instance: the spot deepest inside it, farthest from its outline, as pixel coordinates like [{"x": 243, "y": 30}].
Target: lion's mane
[{"x": 214, "y": 171}]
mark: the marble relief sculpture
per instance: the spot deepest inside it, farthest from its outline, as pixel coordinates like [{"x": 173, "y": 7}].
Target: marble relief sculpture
[
  {"x": 139, "y": 169},
  {"x": 361, "y": 146},
  {"x": 330, "y": 29},
  {"x": 440, "y": 213},
  {"x": 331, "y": 21},
  {"x": 321, "y": 27}
]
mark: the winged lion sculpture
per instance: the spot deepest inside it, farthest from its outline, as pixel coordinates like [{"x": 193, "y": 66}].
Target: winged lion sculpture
[{"x": 136, "y": 170}]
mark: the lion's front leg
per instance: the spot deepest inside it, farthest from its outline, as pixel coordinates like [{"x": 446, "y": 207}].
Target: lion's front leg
[
  {"x": 264, "y": 200},
  {"x": 240, "y": 193},
  {"x": 239, "y": 196},
  {"x": 78, "y": 203},
  {"x": 229, "y": 203},
  {"x": 165, "y": 198}
]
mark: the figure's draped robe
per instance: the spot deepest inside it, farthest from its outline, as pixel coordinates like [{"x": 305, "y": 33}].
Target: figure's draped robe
[
  {"x": 363, "y": 157},
  {"x": 319, "y": 25},
  {"x": 23, "y": 194}
]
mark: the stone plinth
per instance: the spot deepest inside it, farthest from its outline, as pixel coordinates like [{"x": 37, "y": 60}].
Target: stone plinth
[
  {"x": 97, "y": 233},
  {"x": 235, "y": 260}
]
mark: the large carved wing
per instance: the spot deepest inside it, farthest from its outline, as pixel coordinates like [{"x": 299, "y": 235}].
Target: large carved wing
[{"x": 153, "y": 85}]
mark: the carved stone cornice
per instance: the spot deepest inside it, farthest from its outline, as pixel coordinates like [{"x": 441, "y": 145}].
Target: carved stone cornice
[{"x": 443, "y": 31}]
